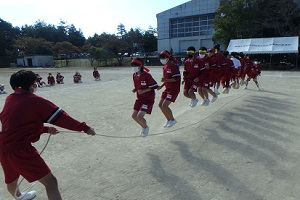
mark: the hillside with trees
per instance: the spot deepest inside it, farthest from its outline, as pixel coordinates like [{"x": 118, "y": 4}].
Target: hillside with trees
[
  {"x": 67, "y": 42},
  {"x": 237, "y": 19}
]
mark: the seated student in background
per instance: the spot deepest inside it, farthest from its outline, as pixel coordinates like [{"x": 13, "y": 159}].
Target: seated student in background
[
  {"x": 96, "y": 74},
  {"x": 59, "y": 78},
  {"x": 77, "y": 77},
  {"x": 39, "y": 81},
  {"x": 51, "y": 80},
  {"x": 2, "y": 89}
]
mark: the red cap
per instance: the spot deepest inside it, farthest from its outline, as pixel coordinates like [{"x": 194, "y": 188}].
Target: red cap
[
  {"x": 137, "y": 61},
  {"x": 165, "y": 53},
  {"x": 211, "y": 50}
]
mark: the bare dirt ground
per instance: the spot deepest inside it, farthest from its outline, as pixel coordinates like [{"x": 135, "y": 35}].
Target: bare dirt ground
[{"x": 244, "y": 146}]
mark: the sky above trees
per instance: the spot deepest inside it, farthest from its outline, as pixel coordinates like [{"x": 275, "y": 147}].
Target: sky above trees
[{"x": 90, "y": 16}]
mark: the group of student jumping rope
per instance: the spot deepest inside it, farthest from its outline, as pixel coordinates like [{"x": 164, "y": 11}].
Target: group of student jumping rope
[
  {"x": 24, "y": 113},
  {"x": 203, "y": 74},
  {"x": 60, "y": 78}
]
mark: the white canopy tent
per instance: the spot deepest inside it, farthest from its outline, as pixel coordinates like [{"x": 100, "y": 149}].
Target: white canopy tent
[
  {"x": 265, "y": 45},
  {"x": 277, "y": 45}
]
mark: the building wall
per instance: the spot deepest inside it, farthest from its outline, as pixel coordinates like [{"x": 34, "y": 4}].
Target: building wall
[
  {"x": 20, "y": 62},
  {"x": 187, "y": 10},
  {"x": 37, "y": 61},
  {"x": 43, "y": 61}
]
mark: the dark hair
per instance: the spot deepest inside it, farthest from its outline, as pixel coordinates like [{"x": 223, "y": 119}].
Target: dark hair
[
  {"x": 226, "y": 53},
  {"x": 172, "y": 58},
  {"x": 22, "y": 79},
  {"x": 235, "y": 54},
  {"x": 217, "y": 46},
  {"x": 203, "y": 49},
  {"x": 191, "y": 48}
]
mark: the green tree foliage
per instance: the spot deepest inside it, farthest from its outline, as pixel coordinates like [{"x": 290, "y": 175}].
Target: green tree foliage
[
  {"x": 100, "y": 55},
  {"x": 135, "y": 39},
  {"x": 46, "y": 31},
  {"x": 7, "y": 36},
  {"x": 121, "y": 30},
  {"x": 75, "y": 36},
  {"x": 65, "y": 36},
  {"x": 235, "y": 19},
  {"x": 119, "y": 46},
  {"x": 125, "y": 43},
  {"x": 28, "y": 45},
  {"x": 65, "y": 50},
  {"x": 93, "y": 56},
  {"x": 64, "y": 41},
  {"x": 54, "y": 34},
  {"x": 280, "y": 18},
  {"x": 150, "y": 40},
  {"x": 100, "y": 40},
  {"x": 256, "y": 18}
]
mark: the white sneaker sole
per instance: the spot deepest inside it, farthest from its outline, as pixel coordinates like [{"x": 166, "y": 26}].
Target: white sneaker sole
[
  {"x": 172, "y": 124},
  {"x": 214, "y": 99}
]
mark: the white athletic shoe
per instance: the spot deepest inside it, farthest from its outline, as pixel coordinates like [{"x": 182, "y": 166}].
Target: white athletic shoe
[
  {"x": 225, "y": 91},
  {"x": 207, "y": 101},
  {"x": 236, "y": 86},
  {"x": 203, "y": 102},
  {"x": 144, "y": 131},
  {"x": 194, "y": 103},
  {"x": 191, "y": 102},
  {"x": 166, "y": 124},
  {"x": 26, "y": 196},
  {"x": 217, "y": 92},
  {"x": 171, "y": 123},
  {"x": 214, "y": 98}
]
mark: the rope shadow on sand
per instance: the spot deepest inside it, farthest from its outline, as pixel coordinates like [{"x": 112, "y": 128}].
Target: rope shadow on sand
[
  {"x": 222, "y": 175},
  {"x": 179, "y": 187}
]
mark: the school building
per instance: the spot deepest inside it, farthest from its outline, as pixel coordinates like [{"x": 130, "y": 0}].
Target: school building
[
  {"x": 35, "y": 61},
  {"x": 189, "y": 24}
]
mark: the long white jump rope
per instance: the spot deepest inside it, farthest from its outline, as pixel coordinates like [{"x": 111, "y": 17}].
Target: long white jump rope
[{"x": 111, "y": 136}]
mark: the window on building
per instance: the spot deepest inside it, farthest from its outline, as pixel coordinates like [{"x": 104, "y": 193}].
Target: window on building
[{"x": 192, "y": 26}]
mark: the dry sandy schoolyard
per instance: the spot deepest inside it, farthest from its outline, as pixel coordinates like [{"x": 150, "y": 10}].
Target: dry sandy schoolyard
[{"x": 244, "y": 146}]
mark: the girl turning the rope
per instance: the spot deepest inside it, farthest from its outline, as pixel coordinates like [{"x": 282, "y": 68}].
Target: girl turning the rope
[{"x": 22, "y": 118}]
